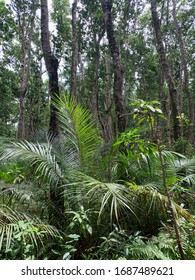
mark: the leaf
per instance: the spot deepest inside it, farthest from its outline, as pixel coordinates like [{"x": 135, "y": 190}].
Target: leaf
[
  {"x": 80, "y": 132},
  {"x": 151, "y": 108},
  {"x": 159, "y": 111},
  {"x": 13, "y": 223},
  {"x": 74, "y": 236},
  {"x": 141, "y": 119},
  {"x": 89, "y": 229},
  {"x": 66, "y": 256}
]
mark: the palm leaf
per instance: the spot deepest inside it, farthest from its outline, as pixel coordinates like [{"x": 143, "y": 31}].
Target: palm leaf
[
  {"x": 11, "y": 223},
  {"x": 37, "y": 155},
  {"x": 113, "y": 196},
  {"x": 78, "y": 129},
  {"x": 156, "y": 201}
]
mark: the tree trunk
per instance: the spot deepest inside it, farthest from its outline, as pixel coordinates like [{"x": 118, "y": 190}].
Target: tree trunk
[
  {"x": 56, "y": 211},
  {"x": 73, "y": 79},
  {"x": 184, "y": 67},
  {"x": 51, "y": 63},
  {"x": 108, "y": 131},
  {"x": 118, "y": 80},
  {"x": 95, "y": 97},
  {"x": 26, "y": 38},
  {"x": 166, "y": 71},
  {"x": 31, "y": 130},
  {"x": 39, "y": 97}
]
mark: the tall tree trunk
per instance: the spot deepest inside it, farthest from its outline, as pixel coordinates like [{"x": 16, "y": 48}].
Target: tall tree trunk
[
  {"x": 51, "y": 63},
  {"x": 118, "y": 80},
  {"x": 56, "y": 211},
  {"x": 184, "y": 67},
  {"x": 81, "y": 85},
  {"x": 166, "y": 71},
  {"x": 30, "y": 127},
  {"x": 73, "y": 78},
  {"x": 39, "y": 97},
  {"x": 26, "y": 38},
  {"x": 95, "y": 97},
  {"x": 108, "y": 131}
]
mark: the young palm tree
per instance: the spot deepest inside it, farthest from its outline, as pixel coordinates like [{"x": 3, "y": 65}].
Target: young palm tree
[{"x": 68, "y": 164}]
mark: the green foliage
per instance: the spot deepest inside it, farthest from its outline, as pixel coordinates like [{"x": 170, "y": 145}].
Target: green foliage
[
  {"x": 60, "y": 16},
  {"x": 79, "y": 131},
  {"x": 124, "y": 245},
  {"x": 11, "y": 173},
  {"x": 133, "y": 200},
  {"x": 79, "y": 220},
  {"x": 20, "y": 236},
  {"x": 147, "y": 112},
  {"x": 183, "y": 145},
  {"x": 39, "y": 156},
  {"x": 120, "y": 244},
  {"x": 6, "y": 24},
  {"x": 70, "y": 246},
  {"x": 8, "y": 105}
]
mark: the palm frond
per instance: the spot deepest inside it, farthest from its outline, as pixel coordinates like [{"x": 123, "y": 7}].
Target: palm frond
[
  {"x": 13, "y": 222},
  {"x": 37, "y": 155},
  {"x": 156, "y": 201},
  {"x": 113, "y": 196},
  {"x": 78, "y": 129}
]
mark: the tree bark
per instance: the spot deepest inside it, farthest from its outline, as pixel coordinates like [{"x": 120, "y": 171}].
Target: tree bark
[
  {"x": 184, "y": 67},
  {"x": 31, "y": 129},
  {"x": 39, "y": 96},
  {"x": 73, "y": 78},
  {"x": 108, "y": 131},
  {"x": 118, "y": 80},
  {"x": 166, "y": 71},
  {"x": 56, "y": 211},
  {"x": 51, "y": 63},
  {"x": 26, "y": 38},
  {"x": 95, "y": 97}
]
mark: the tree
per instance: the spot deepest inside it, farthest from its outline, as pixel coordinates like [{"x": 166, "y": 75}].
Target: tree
[
  {"x": 73, "y": 77},
  {"x": 52, "y": 64},
  {"x": 166, "y": 71},
  {"x": 184, "y": 67},
  {"x": 118, "y": 81},
  {"x": 98, "y": 76},
  {"x": 26, "y": 28},
  {"x": 8, "y": 106},
  {"x": 9, "y": 90}
]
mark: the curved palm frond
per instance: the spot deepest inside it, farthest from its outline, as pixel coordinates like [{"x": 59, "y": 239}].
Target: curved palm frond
[
  {"x": 113, "y": 197},
  {"x": 13, "y": 222},
  {"x": 37, "y": 155},
  {"x": 185, "y": 166},
  {"x": 13, "y": 197},
  {"x": 78, "y": 129},
  {"x": 155, "y": 201}
]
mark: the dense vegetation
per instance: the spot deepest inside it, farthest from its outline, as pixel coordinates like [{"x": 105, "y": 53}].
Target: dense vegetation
[{"x": 97, "y": 148}]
